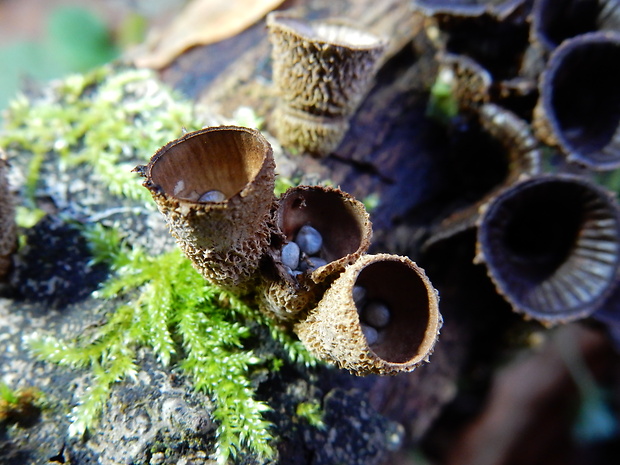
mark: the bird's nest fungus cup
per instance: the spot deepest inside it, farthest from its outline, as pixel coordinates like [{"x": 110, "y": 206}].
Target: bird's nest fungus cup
[
  {"x": 504, "y": 144},
  {"x": 552, "y": 246},
  {"x": 381, "y": 316},
  {"x": 215, "y": 189},
  {"x": 321, "y": 230},
  {"x": 322, "y": 71},
  {"x": 579, "y": 105}
]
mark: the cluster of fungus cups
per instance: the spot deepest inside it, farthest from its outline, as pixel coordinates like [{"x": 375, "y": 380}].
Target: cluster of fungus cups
[
  {"x": 321, "y": 71},
  {"x": 300, "y": 258}
]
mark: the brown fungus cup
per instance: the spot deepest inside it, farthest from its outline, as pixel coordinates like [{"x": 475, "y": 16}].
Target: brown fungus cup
[
  {"x": 381, "y": 316},
  {"x": 321, "y": 230},
  {"x": 215, "y": 189},
  {"x": 8, "y": 233},
  {"x": 321, "y": 71},
  {"x": 551, "y": 245}
]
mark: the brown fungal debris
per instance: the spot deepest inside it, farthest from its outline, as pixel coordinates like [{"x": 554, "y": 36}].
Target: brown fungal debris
[
  {"x": 579, "y": 105},
  {"x": 215, "y": 189},
  {"x": 337, "y": 221},
  {"x": 551, "y": 245},
  {"x": 322, "y": 71},
  {"x": 380, "y": 316},
  {"x": 8, "y": 233}
]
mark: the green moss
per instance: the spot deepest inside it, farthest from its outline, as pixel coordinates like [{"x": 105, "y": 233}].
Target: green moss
[
  {"x": 19, "y": 406},
  {"x": 311, "y": 412},
  {"x": 184, "y": 321},
  {"x": 442, "y": 104},
  {"x": 109, "y": 120}
]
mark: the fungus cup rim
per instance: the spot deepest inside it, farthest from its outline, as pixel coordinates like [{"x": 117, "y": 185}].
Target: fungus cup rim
[
  {"x": 434, "y": 319},
  {"x": 260, "y": 142},
  {"x": 309, "y": 32}
]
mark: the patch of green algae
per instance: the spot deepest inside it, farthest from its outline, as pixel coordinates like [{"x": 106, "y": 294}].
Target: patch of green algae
[{"x": 159, "y": 302}]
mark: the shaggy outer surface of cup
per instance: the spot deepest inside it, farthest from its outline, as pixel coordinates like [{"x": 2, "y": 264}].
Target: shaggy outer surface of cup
[
  {"x": 225, "y": 240},
  {"x": 322, "y": 68},
  {"x": 333, "y": 332},
  {"x": 304, "y": 132},
  {"x": 345, "y": 227},
  {"x": 551, "y": 245}
]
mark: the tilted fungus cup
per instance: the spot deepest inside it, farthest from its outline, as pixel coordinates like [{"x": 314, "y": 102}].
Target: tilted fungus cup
[
  {"x": 551, "y": 245},
  {"x": 516, "y": 157},
  {"x": 8, "y": 233},
  {"x": 333, "y": 330},
  {"x": 320, "y": 69},
  {"x": 345, "y": 228},
  {"x": 225, "y": 238},
  {"x": 579, "y": 105}
]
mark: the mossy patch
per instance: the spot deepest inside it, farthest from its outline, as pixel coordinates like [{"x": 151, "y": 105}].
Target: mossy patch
[{"x": 100, "y": 126}]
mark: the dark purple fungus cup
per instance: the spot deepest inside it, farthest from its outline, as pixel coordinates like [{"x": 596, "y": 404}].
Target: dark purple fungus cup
[
  {"x": 551, "y": 245},
  {"x": 579, "y": 105}
]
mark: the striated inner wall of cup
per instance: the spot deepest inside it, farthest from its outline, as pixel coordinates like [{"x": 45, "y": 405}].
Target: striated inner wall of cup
[
  {"x": 334, "y": 216},
  {"x": 222, "y": 160},
  {"x": 585, "y": 96},
  {"x": 552, "y": 246},
  {"x": 407, "y": 336}
]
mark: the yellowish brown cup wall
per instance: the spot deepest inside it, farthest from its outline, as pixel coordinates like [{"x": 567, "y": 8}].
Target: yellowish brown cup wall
[
  {"x": 346, "y": 232},
  {"x": 321, "y": 71},
  {"x": 225, "y": 239},
  {"x": 333, "y": 331},
  {"x": 8, "y": 233}
]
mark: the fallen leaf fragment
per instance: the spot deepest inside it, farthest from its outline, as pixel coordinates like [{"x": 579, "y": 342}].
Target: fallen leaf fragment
[{"x": 201, "y": 22}]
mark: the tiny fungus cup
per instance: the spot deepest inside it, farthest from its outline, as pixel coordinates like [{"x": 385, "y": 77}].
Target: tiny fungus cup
[
  {"x": 345, "y": 230},
  {"x": 343, "y": 330},
  {"x": 215, "y": 189},
  {"x": 321, "y": 72},
  {"x": 8, "y": 233},
  {"x": 508, "y": 149},
  {"x": 579, "y": 105},
  {"x": 551, "y": 245}
]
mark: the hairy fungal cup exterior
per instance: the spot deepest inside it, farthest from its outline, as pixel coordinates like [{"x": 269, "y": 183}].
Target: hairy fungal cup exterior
[
  {"x": 322, "y": 71},
  {"x": 215, "y": 189},
  {"x": 340, "y": 331}
]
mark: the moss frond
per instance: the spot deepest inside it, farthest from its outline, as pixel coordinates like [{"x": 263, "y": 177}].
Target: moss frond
[
  {"x": 183, "y": 320},
  {"x": 108, "y": 120}
]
